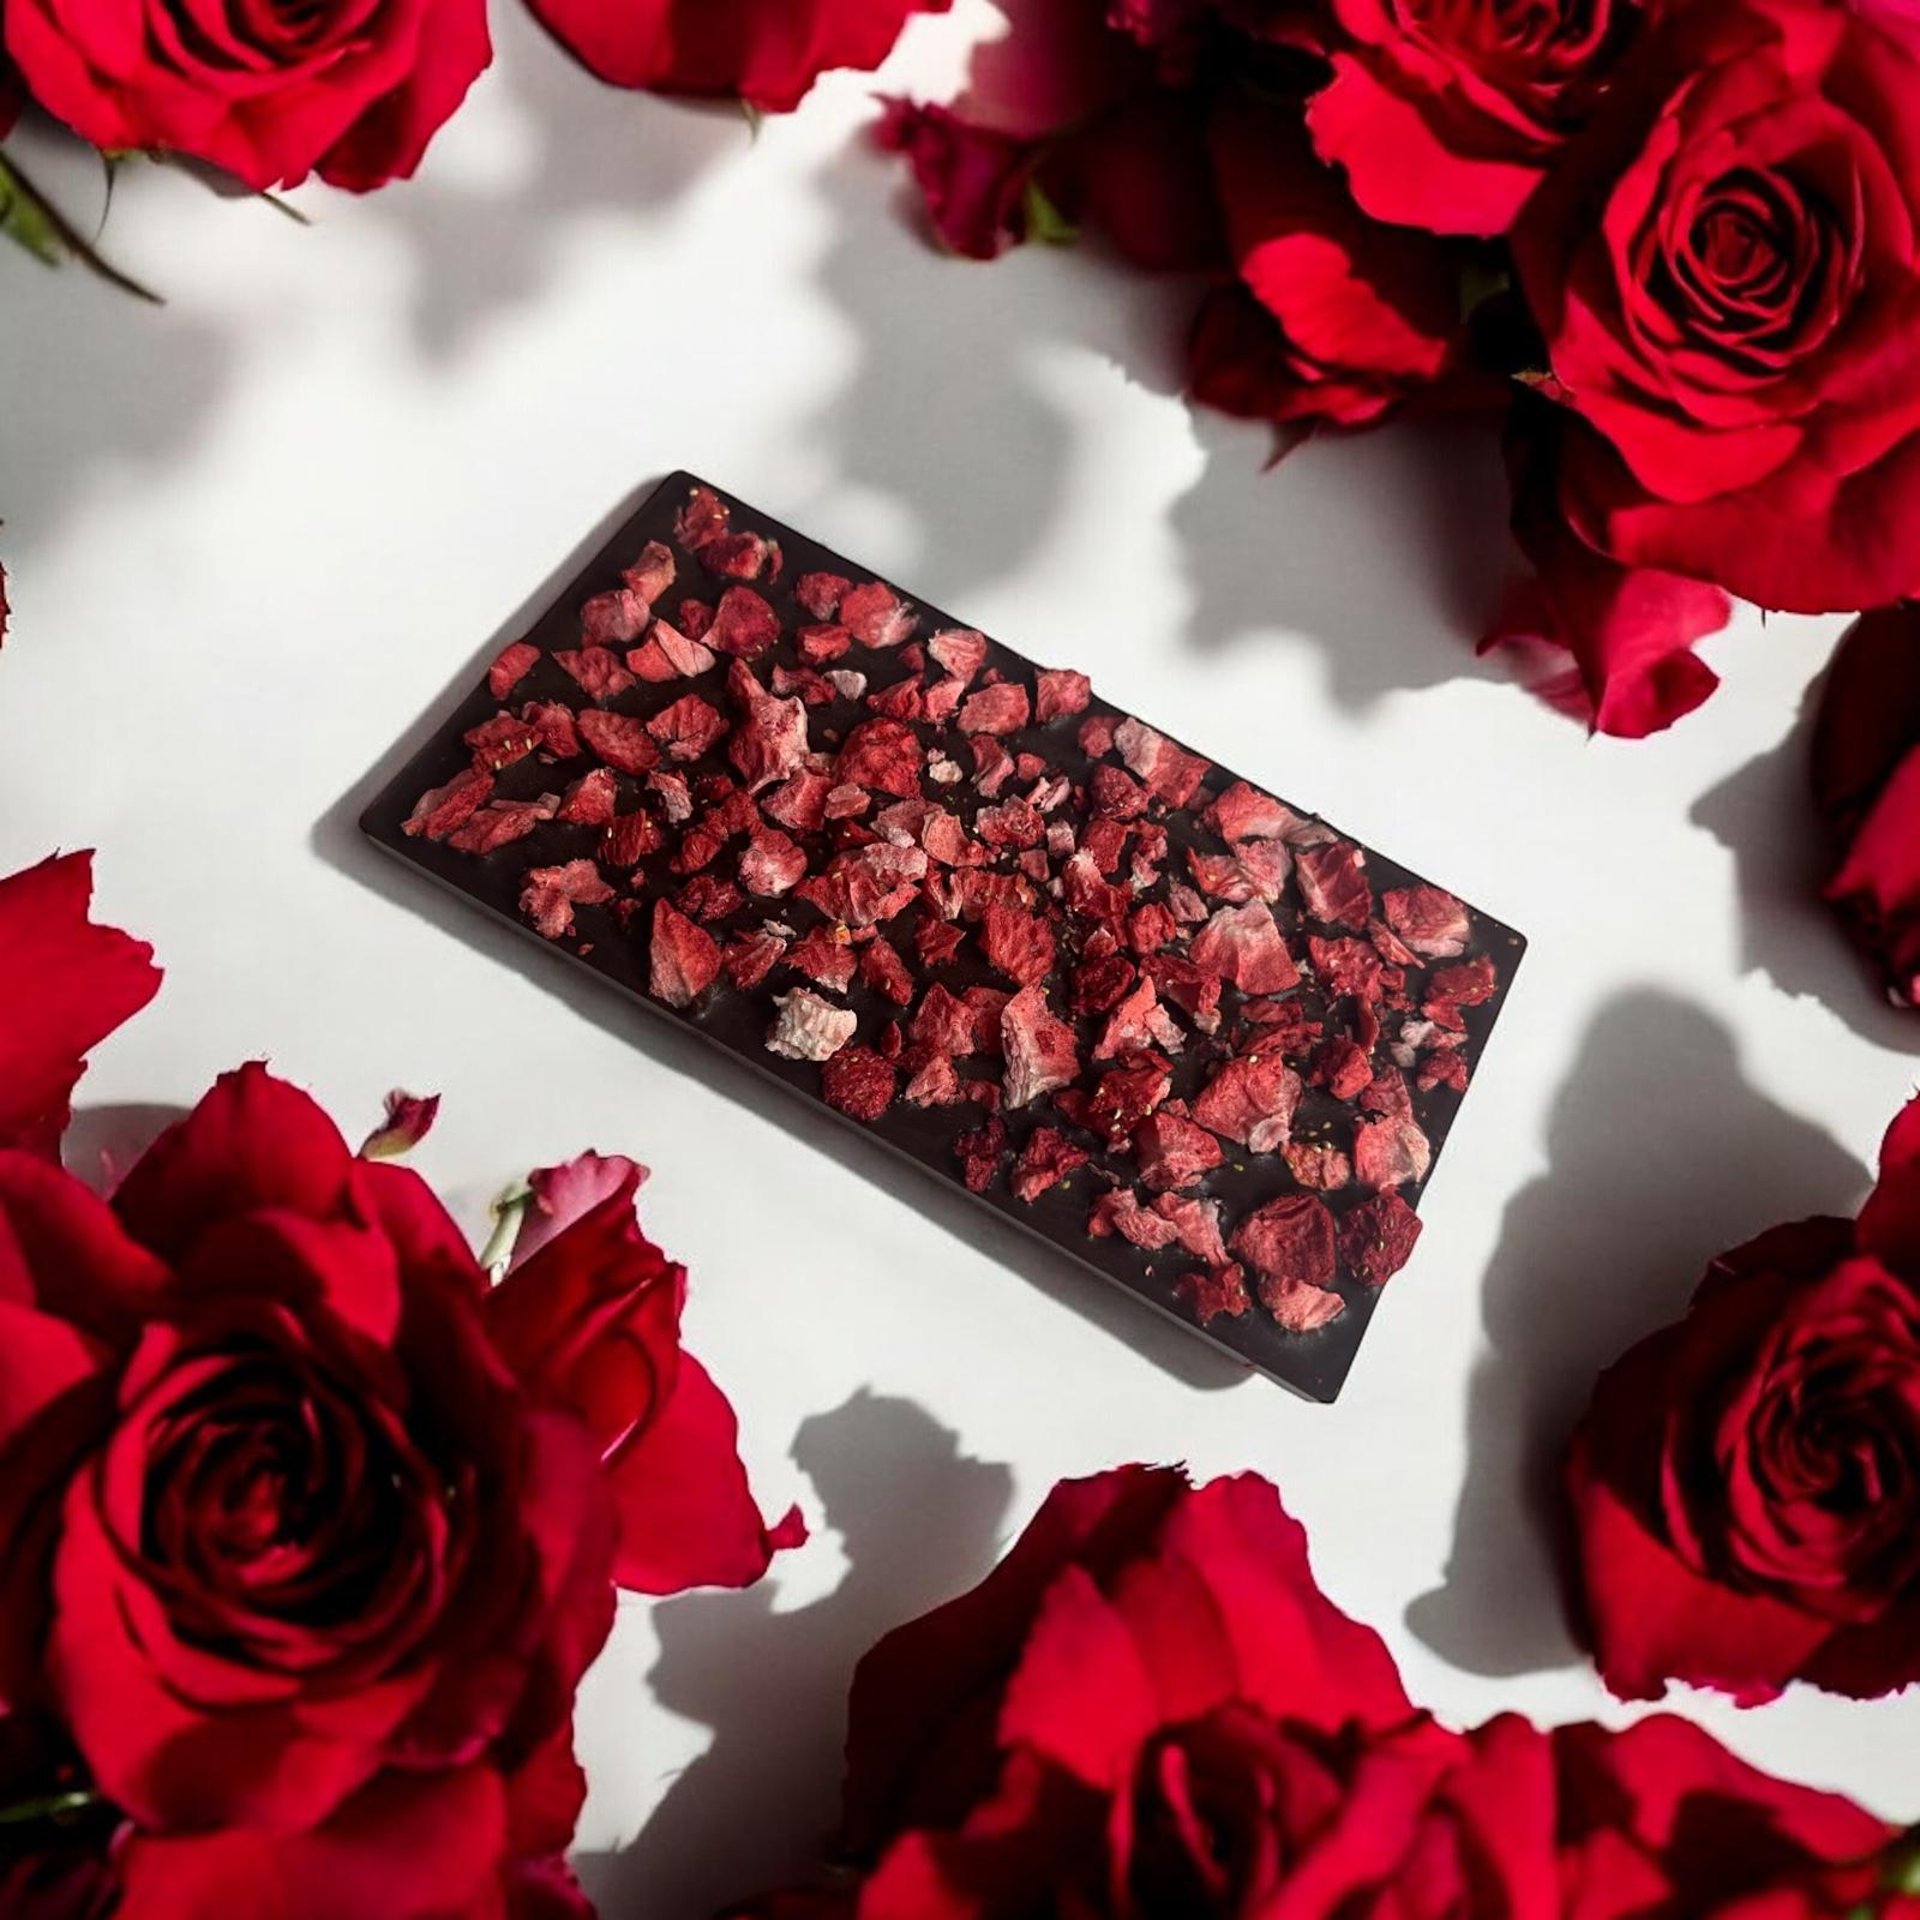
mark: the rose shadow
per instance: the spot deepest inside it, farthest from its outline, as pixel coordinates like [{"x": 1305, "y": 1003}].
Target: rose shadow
[
  {"x": 919, "y": 1522},
  {"x": 103, "y": 1142},
  {"x": 1661, "y": 1154}
]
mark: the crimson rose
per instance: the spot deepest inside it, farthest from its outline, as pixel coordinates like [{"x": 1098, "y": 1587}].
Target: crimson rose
[
  {"x": 1746, "y": 1484},
  {"x": 350, "y": 89},
  {"x": 1866, "y": 783},
  {"x": 1724, "y": 269}
]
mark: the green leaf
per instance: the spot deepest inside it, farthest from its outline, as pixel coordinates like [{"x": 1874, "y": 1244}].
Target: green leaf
[
  {"x": 1044, "y": 221},
  {"x": 48, "y": 1806},
  {"x": 26, "y": 219}
]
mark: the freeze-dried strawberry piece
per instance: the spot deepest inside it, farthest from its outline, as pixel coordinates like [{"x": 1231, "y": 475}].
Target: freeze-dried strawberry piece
[
  {"x": 859, "y": 1082},
  {"x": 824, "y": 957},
  {"x": 1115, "y": 794},
  {"x": 979, "y": 1151},
  {"x": 1047, "y": 1158},
  {"x": 743, "y": 624},
  {"x": 935, "y": 1084},
  {"x": 1196, "y": 1225},
  {"x": 1344, "y": 1069},
  {"x": 1127, "y": 1095},
  {"x": 750, "y": 957},
  {"x": 846, "y": 803},
  {"x": 937, "y": 941},
  {"x": 699, "y": 847},
  {"x": 500, "y": 822},
  {"x": 598, "y": 672},
  {"x": 1389, "y": 946},
  {"x": 589, "y": 802},
  {"x": 653, "y": 573},
  {"x": 1316, "y": 1165},
  {"x": 630, "y": 837},
  {"x": 1151, "y": 927},
  {"x": 1257, "y": 870},
  {"x": 901, "y": 701},
  {"x": 885, "y": 972},
  {"x": 696, "y": 618},
  {"x": 1059, "y": 693},
  {"x": 1298, "y": 1307},
  {"x": 1242, "y": 944},
  {"x": 1095, "y": 735},
  {"x": 1099, "y": 985},
  {"x": 1386, "y": 1094},
  {"x": 1092, "y": 898},
  {"x": 688, "y": 727},
  {"x": 1119, "y": 1211},
  {"x": 1446, "y": 1068},
  {"x": 992, "y": 764},
  {"x": 875, "y": 614},
  {"x": 1333, "y": 883},
  {"x": 1391, "y": 1152},
  {"x": 997, "y": 710},
  {"x": 821, "y": 646},
  {"x": 439, "y": 811},
  {"x": 735, "y": 556},
  {"x": 1377, "y": 1237},
  {"x": 668, "y": 654},
  {"x": 1173, "y": 1151},
  {"x": 703, "y": 517},
  {"x": 500, "y": 742},
  {"x": 1288, "y": 1242},
  {"x": 1278, "y": 1026},
  {"x": 615, "y": 619},
  {"x": 1171, "y": 773},
  {"x": 1208, "y": 1293},
  {"x": 819, "y": 593},
  {"x": 1013, "y": 823},
  {"x": 1346, "y": 966},
  {"x": 512, "y": 665},
  {"x": 866, "y": 886},
  {"x": 1040, "y": 1048},
  {"x": 977, "y": 889},
  {"x": 987, "y": 1004},
  {"x": 555, "y": 735},
  {"x": 1185, "y": 904},
  {"x": 1245, "y": 813},
  {"x": 800, "y": 802},
  {"x": 1104, "y": 842},
  {"x": 709, "y": 896},
  {"x": 941, "y": 701},
  {"x": 1017, "y": 944},
  {"x": 770, "y": 742},
  {"x": 684, "y": 959},
  {"x": 552, "y": 893},
  {"x": 1139, "y": 1021},
  {"x": 1471, "y": 984},
  {"x": 771, "y": 863},
  {"x": 620, "y": 740},
  {"x": 1429, "y": 919},
  {"x": 1251, "y": 1101},
  {"x": 960, "y": 650},
  {"x": 881, "y": 754},
  {"x": 943, "y": 1024},
  {"x": 809, "y": 1028},
  {"x": 674, "y": 795}
]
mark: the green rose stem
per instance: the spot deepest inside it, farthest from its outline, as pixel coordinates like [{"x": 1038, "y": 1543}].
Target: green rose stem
[
  {"x": 50, "y": 1806},
  {"x": 30, "y": 218}
]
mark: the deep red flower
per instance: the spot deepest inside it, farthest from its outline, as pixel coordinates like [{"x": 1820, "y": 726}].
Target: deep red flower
[
  {"x": 65, "y": 984},
  {"x": 1866, "y": 784},
  {"x": 768, "y": 52},
  {"x": 1746, "y": 1484},
  {"x": 1723, "y": 267}
]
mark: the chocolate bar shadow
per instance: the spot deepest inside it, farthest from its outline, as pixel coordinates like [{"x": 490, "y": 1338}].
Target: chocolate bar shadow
[
  {"x": 918, "y": 1522},
  {"x": 1763, "y": 815},
  {"x": 1661, "y": 1155}
]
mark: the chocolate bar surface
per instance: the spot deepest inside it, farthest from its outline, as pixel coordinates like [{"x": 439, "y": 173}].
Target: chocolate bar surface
[{"x": 1195, "y": 1039}]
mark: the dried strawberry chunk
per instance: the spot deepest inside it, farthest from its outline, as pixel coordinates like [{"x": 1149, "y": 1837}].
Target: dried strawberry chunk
[
  {"x": 883, "y": 755},
  {"x": 885, "y": 972},
  {"x": 867, "y": 886},
  {"x": 743, "y": 624},
  {"x": 703, "y": 517},
  {"x": 709, "y": 896},
  {"x": 1244, "y": 945},
  {"x": 1119, "y": 1211},
  {"x": 1391, "y": 1152},
  {"x": 960, "y": 650},
  {"x": 937, "y": 941},
  {"x": 620, "y": 740},
  {"x": 1126, "y": 1096},
  {"x": 1333, "y": 883},
  {"x": 1017, "y": 944},
  {"x": 1289, "y": 1243},
  {"x": 668, "y": 654},
  {"x": 1047, "y": 1158},
  {"x": 442, "y": 809},
  {"x": 510, "y": 667},
  {"x": 615, "y": 619},
  {"x": 997, "y": 710},
  {"x": 1115, "y": 794},
  {"x": 688, "y": 727},
  {"x": 1059, "y": 693},
  {"x": 825, "y": 957},
  {"x": 875, "y": 614},
  {"x": 750, "y": 957},
  {"x": 684, "y": 958},
  {"x": 598, "y": 672},
  {"x": 589, "y": 802},
  {"x": 1344, "y": 1069},
  {"x": 1451, "y": 988},
  {"x": 555, "y": 736},
  {"x": 1013, "y": 823},
  {"x": 500, "y": 742},
  {"x": 1210, "y": 1293},
  {"x": 979, "y": 1151},
  {"x": 1040, "y": 1048},
  {"x": 770, "y": 743},
  {"x": 1298, "y": 1307},
  {"x": 1173, "y": 1151},
  {"x": 735, "y": 556},
  {"x": 819, "y": 593},
  {"x": 771, "y": 863},
  {"x": 809, "y": 1028},
  {"x": 1251, "y": 1101},
  {"x": 552, "y": 893},
  {"x": 501, "y": 822},
  {"x": 1170, "y": 773},
  {"x": 1256, "y": 870},
  {"x": 943, "y": 1024},
  {"x": 800, "y": 802},
  {"x": 1377, "y": 1237},
  {"x": 1245, "y": 813},
  {"x": 1430, "y": 920},
  {"x": 630, "y": 837},
  {"x": 859, "y": 1082},
  {"x": 653, "y": 573},
  {"x": 1346, "y": 966},
  {"x": 1095, "y": 735}
]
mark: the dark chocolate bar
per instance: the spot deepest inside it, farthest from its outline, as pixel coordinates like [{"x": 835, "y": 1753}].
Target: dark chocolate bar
[{"x": 1190, "y": 1036}]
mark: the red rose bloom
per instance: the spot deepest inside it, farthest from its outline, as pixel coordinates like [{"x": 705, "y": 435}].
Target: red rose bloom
[
  {"x": 350, "y": 89},
  {"x": 1448, "y": 117},
  {"x": 311, "y": 1534},
  {"x": 769, "y": 52},
  {"x": 1724, "y": 270},
  {"x": 1866, "y": 783},
  {"x": 1746, "y": 1484},
  {"x": 65, "y": 984}
]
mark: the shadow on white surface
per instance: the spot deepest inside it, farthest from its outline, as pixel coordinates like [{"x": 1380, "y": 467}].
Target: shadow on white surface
[
  {"x": 919, "y": 1523},
  {"x": 103, "y": 1142},
  {"x": 1661, "y": 1154},
  {"x": 1763, "y": 815}
]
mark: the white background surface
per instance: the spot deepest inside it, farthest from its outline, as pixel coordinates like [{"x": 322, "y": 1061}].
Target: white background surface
[{"x": 254, "y": 538}]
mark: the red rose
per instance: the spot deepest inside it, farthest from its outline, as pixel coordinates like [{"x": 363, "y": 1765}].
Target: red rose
[
  {"x": 1662, "y": 1820},
  {"x": 311, "y": 1533},
  {"x": 350, "y": 89},
  {"x": 1746, "y": 1484},
  {"x": 65, "y": 984},
  {"x": 1448, "y": 118},
  {"x": 1866, "y": 783},
  {"x": 769, "y": 52},
  {"x": 1724, "y": 270}
]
